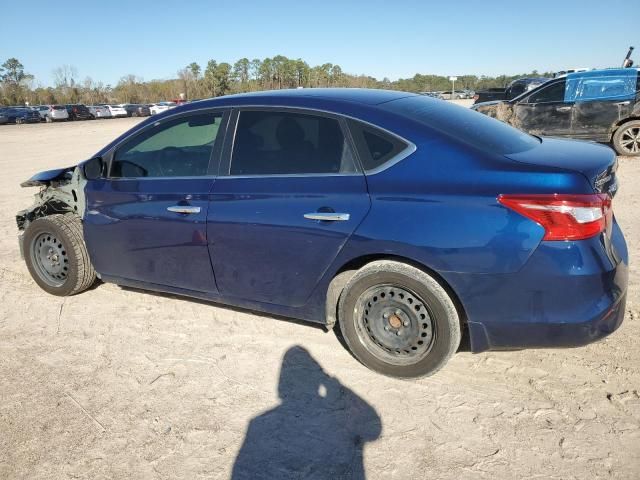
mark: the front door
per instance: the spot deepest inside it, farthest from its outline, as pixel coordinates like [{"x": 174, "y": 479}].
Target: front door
[
  {"x": 290, "y": 197},
  {"x": 147, "y": 220},
  {"x": 545, "y": 111}
]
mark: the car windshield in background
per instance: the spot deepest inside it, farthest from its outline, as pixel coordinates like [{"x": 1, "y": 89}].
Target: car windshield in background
[{"x": 466, "y": 125}]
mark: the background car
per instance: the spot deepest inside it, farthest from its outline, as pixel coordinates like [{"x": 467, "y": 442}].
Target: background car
[
  {"x": 3, "y": 116},
  {"x": 52, "y": 113},
  {"x": 160, "y": 107},
  {"x": 117, "y": 111},
  {"x": 20, "y": 114},
  {"x": 78, "y": 111},
  {"x": 99, "y": 111},
  {"x": 449, "y": 95},
  {"x": 136, "y": 109},
  {"x": 598, "y": 105}
]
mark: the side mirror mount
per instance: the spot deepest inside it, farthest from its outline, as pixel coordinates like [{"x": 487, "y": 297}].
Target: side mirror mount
[{"x": 94, "y": 169}]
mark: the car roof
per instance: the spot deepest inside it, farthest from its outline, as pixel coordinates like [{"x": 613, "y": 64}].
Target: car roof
[{"x": 352, "y": 95}]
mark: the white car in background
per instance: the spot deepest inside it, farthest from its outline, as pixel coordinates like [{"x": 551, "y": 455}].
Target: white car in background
[
  {"x": 100, "y": 111},
  {"x": 160, "y": 107},
  {"x": 52, "y": 113},
  {"x": 117, "y": 111}
]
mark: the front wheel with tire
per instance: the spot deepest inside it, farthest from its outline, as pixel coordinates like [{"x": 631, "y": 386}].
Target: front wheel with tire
[
  {"x": 398, "y": 320},
  {"x": 56, "y": 255},
  {"x": 626, "y": 140}
]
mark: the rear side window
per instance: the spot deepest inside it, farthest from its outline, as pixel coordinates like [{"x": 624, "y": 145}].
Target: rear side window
[
  {"x": 177, "y": 148},
  {"x": 604, "y": 87},
  {"x": 288, "y": 143},
  {"x": 375, "y": 147}
]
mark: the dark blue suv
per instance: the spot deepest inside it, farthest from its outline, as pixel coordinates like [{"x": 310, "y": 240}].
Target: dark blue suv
[{"x": 402, "y": 218}]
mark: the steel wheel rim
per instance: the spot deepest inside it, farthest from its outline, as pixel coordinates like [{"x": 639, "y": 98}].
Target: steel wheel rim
[
  {"x": 394, "y": 324},
  {"x": 50, "y": 259},
  {"x": 630, "y": 140}
]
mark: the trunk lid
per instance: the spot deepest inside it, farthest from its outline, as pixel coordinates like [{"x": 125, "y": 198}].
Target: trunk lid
[{"x": 598, "y": 163}]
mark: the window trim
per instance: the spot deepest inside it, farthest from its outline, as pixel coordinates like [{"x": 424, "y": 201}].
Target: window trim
[
  {"x": 232, "y": 129},
  {"x": 214, "y": 157}
]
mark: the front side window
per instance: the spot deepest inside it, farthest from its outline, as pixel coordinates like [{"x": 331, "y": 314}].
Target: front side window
[
  {"x": 177, "y": 148},
  {"x": 550, "y": 93},
  {"x": 287, "y": 143}
]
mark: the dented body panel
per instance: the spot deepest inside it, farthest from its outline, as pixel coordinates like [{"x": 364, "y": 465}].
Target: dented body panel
[
  {"x": 62, "y": 191},
  {"x": 578, "y": 112}
]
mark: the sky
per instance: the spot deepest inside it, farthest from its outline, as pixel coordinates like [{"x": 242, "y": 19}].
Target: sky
[{"x": 107, "y": 40}]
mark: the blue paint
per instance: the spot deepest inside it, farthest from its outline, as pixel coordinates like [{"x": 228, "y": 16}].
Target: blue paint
[{"x": 250, "y": 245}]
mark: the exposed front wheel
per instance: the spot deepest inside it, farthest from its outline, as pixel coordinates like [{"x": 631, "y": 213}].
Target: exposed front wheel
[
  {"x": 398, "y": 320},
  {"x": 626, "y": 140},
  {"x": 56, "y": 255}
]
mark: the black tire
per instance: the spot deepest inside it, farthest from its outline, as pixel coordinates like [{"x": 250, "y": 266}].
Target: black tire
[
  {"x": 429, "y": 322},
  {"x": 626, "y": 140},
  {"x": 69, "y": 270}
]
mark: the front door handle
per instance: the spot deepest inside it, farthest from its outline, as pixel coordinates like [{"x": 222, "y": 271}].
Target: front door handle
[
  {"x": 327, "y": 216},
  {"x": 183, "y": 209},
  {"x": 622, "y": 104},
  {"x": 563, "y": 109}
]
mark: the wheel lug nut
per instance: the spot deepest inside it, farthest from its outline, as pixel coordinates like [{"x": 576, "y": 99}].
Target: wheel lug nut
[
  {"x": 406, "y": 323},
  {"x": 385, "y": 315},
  {"x": 398, "y": 312},
  {"x": 386, "y": 327},
  {"x": 398, "y": 333}
]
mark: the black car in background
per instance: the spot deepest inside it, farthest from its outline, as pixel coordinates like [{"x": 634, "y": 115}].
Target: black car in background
[
  {"x": 78, "y": 111},
  {"x": 515, "y": 88},
  {"x": 137, "y": 110},
  {"x": 598, "y": 105},
  {"x": 19, "y": 115}
]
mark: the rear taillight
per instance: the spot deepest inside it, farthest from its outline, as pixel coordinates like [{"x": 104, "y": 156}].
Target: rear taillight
[
  {"x": 476, "y": 97},
  {"x": 564, "y": 217}
]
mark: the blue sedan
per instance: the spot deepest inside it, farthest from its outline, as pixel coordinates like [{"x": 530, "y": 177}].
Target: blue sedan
[{"x": 405, "y": 220}]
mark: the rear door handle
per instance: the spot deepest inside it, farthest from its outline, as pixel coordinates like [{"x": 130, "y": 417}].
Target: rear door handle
[
  {"x": 563, "y": 109},
  {"x": 621, "y": 104},
  {"x": 183, "y": 209},
  {"x": 327, "y": 216}
]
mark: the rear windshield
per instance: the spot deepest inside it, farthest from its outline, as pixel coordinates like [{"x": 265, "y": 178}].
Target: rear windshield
[
  {"x": 58, "y": 107},
  {"x": 464, "y": 124}
]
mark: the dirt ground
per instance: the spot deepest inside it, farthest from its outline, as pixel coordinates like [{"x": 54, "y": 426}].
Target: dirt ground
[{"x": 121, "y": 384}]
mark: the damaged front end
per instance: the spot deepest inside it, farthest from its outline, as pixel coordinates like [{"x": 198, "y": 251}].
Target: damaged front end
[{"x": 61, "y": 191}]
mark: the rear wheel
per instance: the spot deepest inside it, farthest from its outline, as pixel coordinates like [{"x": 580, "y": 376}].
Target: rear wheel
[
  {"x": 626, "y": 140},
  {"x": 56, "y": 255},
  {"x": 398, "y": 320}
]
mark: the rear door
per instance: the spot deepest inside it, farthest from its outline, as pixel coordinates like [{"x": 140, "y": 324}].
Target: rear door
[
  {"x": 146, "y": 221},
  {"x": 288, "y": 197},
  {"x": 602, "y": 100},
  {"x": 545, "y": 111}
]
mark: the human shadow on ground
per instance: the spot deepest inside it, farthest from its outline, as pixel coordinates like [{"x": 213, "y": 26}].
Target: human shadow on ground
[{"x": 318, "y": 431}]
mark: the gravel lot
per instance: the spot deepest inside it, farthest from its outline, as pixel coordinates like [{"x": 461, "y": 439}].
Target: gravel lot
[{"x": 117, "y": 383}]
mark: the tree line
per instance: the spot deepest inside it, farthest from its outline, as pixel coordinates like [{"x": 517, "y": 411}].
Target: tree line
[{"x": 216, "y": 78}]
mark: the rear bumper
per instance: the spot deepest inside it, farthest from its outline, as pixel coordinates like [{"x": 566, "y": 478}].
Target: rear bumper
[{"x": 568, "y": 294}]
